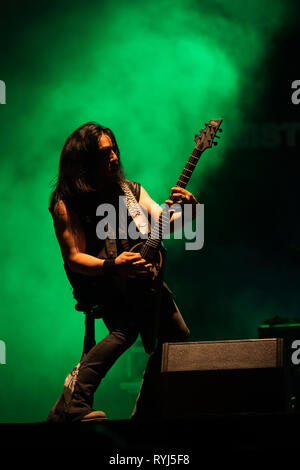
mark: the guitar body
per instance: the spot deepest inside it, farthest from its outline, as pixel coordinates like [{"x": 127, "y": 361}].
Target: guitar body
[{"x": 157, "y": 260}]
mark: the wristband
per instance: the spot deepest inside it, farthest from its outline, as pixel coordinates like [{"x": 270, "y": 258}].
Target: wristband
[{"x": 109, "y": 267}]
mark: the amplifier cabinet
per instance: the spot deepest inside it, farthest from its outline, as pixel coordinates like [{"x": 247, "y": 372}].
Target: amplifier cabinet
[
  {"x": 222, "y": 377},
  {"x": 289, "y": 332}
]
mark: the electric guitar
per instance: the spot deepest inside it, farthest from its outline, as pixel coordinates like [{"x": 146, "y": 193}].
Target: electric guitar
[
  {"x": 147, "y": 291},
  {"x": 151, "y": 250}
]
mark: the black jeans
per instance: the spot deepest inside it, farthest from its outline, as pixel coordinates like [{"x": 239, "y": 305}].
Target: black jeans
[{"x": 123, "y": 332}]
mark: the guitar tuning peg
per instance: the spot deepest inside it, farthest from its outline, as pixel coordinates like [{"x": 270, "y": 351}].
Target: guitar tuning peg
[
  {"x": 220, "y": 130},
  {"x": 215, "y": 143},
  {"x": 205, "y": 124},
  {"x": 217, "y": 136}
]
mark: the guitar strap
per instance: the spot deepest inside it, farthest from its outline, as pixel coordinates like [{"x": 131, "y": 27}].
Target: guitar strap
[
  {"x": 135, "y": 209},
  {"x": 137, "y": 215}
]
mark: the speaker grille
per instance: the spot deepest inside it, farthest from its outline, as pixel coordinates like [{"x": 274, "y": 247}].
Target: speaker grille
[{"x": 222, "y": 355}]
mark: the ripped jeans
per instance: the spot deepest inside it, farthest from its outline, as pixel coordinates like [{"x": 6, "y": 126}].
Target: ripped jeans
[{"x": 123, "y": 332}]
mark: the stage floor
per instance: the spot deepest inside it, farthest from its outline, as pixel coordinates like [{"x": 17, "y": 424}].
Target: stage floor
[{"x": 115, "y": 439}]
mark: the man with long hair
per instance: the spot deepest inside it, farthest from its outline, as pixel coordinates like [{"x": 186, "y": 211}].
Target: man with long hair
[{"x": 90, "y": 174}]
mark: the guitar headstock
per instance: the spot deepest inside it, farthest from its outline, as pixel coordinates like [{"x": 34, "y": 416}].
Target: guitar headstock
[{"x": 206, "y": 137}]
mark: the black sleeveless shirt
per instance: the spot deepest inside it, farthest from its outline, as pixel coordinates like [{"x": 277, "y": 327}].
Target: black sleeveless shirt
[{"x": 89, "y": 290}]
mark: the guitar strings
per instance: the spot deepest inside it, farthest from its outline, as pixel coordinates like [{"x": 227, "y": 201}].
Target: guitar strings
[
  {"x": 163, "y": 221},
  {"x": 157, "y": 232}
]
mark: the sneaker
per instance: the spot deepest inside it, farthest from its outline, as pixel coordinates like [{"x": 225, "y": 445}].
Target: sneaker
[{"x": 94, "y": 416}]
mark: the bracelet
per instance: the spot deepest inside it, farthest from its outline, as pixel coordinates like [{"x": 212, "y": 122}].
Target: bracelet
[{"x": 109, "y": 267}]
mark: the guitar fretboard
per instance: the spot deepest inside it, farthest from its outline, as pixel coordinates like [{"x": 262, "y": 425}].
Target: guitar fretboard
[
  {"x": 189, "y": 168},
  {"x": 162, "y": 223},
  {"x": 204, "y": 140}
]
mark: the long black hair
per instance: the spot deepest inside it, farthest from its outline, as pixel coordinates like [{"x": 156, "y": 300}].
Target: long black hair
[{"x": 78, "y": 162}]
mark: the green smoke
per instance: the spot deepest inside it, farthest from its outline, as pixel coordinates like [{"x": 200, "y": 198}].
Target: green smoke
[{"x": 154, "y": 72}]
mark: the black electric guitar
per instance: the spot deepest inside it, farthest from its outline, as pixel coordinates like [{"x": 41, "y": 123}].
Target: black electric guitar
[{"x": 147, "y": 291}]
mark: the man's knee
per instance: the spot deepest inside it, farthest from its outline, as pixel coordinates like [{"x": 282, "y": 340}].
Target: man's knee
[{"x": 126, "y": 337}]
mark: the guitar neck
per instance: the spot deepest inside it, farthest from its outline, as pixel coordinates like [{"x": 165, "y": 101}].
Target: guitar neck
[
  {"x": 188, "y": 169},
  {"x": 203, "y": 141},
  {"x": 153, "y": 242}
]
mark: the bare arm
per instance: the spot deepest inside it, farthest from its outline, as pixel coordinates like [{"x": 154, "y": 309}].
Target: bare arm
[
  {"x": 154, "y": 210},
  {"x": 71, "y": 239},
  {"x": 72, "y": 242}
]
